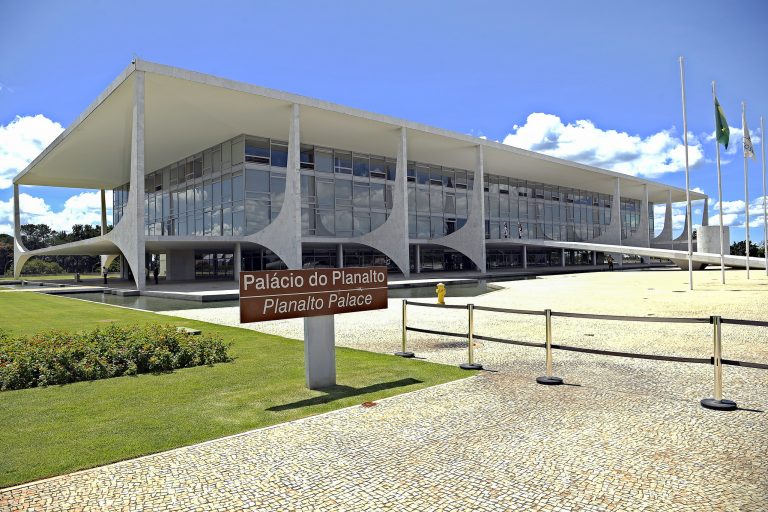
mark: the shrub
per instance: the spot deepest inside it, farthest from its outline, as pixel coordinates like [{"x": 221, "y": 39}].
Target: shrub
[
  {"x": 41, "y": 267},
  {"x": 59, "y": 357}
]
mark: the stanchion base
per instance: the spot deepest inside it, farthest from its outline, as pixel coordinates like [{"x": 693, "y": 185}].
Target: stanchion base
[
  {"x": 405, "y": 354},
  {"x": 471, "y": 366},
  {"x": 719, "y": 405},
  {"x": 549, "y": 381}
]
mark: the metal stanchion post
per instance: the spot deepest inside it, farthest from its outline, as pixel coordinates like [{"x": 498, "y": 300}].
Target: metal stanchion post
[
  {"x": 717, "y": 403},
  {"x": 403, "y": 352},
  {"x": 471, "y": 364},
  {"x": 549, "y": 380}
]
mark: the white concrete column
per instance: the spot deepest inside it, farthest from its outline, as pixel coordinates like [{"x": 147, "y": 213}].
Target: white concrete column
[
  {"x": 392, "y": 237},
  {"x": 594, "y": 258},
  {"x": 133, "y": 245},
  {"x": 668, "y": 219},
  {"x": 319, "y": 352},
  {"x": 418, "y": 259},
  {"x": 645, "y": 222},
  {"x": 525, "y": 256},
  {"x": 19, "y": 258},
  {"x": 618, "y": 196},
  {"x": 238, "y": 261},
  {"x": 562, "y": 258},
  {"x": 339, "y": 256},
  {"x": 103, "y": 212}
]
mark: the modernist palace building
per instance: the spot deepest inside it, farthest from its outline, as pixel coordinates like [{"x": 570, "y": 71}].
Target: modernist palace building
[{"x": 220, "y": 176}]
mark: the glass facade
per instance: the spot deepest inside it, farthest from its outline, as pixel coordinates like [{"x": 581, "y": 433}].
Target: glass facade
[
  {"x": 344, "y": 194},
  {"x": 237, "y": 187},
  {"x": 439, "y": 199}
]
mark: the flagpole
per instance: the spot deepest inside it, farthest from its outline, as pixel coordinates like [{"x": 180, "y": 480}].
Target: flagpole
[
  {"x": 746, "y": 180},
  {"x": 719, "y": 191},
  {"x": 687, "y": 179},
  {"x": 765, "y": 217}
]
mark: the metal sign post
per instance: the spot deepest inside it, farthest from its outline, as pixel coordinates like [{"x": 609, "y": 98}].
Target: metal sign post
[{"x": 315, "y": 295}]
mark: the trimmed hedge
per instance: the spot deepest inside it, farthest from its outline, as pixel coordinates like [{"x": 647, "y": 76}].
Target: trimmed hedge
[{"x": 58, "y": 357}]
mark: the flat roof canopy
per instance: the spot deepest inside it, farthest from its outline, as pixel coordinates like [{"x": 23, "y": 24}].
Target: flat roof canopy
[{"x": 186, "y": 112}]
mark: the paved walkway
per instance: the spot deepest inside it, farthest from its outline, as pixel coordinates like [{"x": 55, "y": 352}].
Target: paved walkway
[{"x": 626, "y": 434}]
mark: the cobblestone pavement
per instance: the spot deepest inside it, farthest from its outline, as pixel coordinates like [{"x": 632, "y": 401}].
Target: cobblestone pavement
[{"x": 625, "y": 435}]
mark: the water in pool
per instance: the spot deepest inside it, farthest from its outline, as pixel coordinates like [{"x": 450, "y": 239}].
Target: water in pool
[{"x": 162, "y": 304}]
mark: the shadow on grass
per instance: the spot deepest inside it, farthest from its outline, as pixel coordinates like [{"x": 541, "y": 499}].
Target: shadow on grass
[{"x": 334, "y": 393}]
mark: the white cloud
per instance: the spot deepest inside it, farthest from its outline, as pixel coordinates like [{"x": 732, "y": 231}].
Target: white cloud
[
  {"x": 583, "y": 142},
  {"x": 736, "y": 141},
  {"x": 82, "y": 208},
  {"x": 21, "y": 141}
]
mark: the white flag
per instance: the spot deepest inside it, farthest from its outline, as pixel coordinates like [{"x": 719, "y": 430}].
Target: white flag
[{"x": 749, "y": 151}]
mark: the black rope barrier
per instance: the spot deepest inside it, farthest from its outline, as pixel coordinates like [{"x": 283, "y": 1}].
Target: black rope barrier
[
  {"x": 443, "y": 306},
  {"x": 509, "y": 342},
  {"x": 633, "y": 318},
  {"x": 632, "y": 355},
  {"x": 442, "y": 333},
  {"x": 514, "y": 311},
  {"x": 736, "y": 321},
  {"x": 745, "y": 364}
]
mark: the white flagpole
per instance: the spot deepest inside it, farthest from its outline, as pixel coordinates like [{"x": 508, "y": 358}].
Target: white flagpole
[
  {"x": 746, "y": 180},
  {"x": 765, "y": 217},
  {"x": 687, "y": 180},
  {"x": 719, "y": 190}
]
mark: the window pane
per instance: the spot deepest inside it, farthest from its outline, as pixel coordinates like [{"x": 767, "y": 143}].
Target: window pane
[
  {"x": 278, "y": 191},
  {"x": 342, "y": 162},
  {"x": 226, "y": 221},
  {"x": 256, "y": 181},
  {"x": 377, "y": 195},
  {"x": 237, "y": 188},
  {"x": 256, "y": 215},
  {"x": 256, "y": 150},
  {"x": 307, "y": 157},
  {"x": 361, "y": 166},
  {"x": 226, "y": 190},
  {"x": 216, "y": 193},
  {"x": 326, "y": 223},
  {"x": 323, "y": 160},
  {"x": 362, "y": 223},
  {"x": 238, "y": 223},
  {"x": 216, "y": 222},
  {"x": 279, "y": 155},
  {"x": 343, "y": 222},
  {"x": 325, "y": 193},
  {"x": 362, "y": 196},
  {"x": 422, "y": 200},
  {"x": 343, "y": 192}
]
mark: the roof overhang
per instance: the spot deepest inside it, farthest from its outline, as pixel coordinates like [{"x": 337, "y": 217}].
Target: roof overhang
[{"x": 186, "y": 112}]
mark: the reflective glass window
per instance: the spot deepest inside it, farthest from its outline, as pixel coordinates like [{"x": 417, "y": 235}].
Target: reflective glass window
[
  {"x": 279, "y": 155},
  {"x": 256, "y": 150}
]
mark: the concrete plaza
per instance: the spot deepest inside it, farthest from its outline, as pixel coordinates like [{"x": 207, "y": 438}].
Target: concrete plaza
[{"x": 626, "y": 434}]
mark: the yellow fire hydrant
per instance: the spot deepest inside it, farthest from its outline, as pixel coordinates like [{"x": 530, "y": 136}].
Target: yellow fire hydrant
[{"x": 440, "y": 290}]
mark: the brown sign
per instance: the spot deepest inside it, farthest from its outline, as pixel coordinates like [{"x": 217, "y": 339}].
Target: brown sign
[{"x": 279, "y": 294}]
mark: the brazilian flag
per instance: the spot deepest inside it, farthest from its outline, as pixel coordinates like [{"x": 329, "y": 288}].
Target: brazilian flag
[{"x": 721, "y": 125}]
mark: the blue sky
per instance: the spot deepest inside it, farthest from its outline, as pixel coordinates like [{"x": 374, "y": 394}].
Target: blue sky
[{"x": 596, "y": 81}]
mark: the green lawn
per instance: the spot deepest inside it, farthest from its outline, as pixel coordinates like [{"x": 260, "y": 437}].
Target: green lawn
[{"x": 56, "y": 430}]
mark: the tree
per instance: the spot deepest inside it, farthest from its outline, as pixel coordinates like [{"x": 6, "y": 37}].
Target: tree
[
  {"x": 6, "y": 254},
  {"x": 37, "y": 236},
  {"x": 739, "y": 249}
]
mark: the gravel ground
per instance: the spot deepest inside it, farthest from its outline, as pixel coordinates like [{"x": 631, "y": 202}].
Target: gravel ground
[{"x": 625, "y": 435}]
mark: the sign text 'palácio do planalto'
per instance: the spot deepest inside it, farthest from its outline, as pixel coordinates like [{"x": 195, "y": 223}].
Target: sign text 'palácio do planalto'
[{"x": 279, "y": 294}]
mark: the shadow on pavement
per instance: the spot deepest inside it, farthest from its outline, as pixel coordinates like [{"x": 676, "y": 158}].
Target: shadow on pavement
[{"x": 334, "y": 393}]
